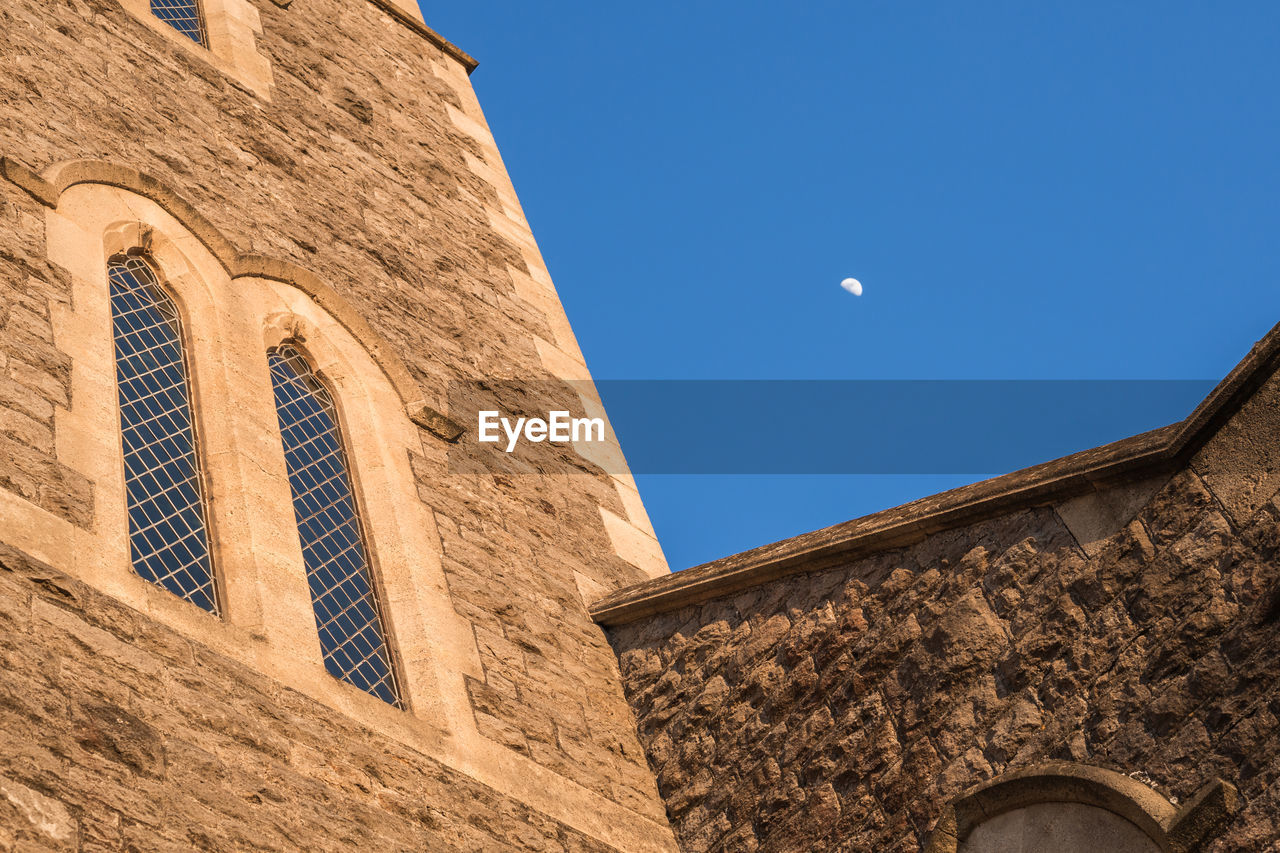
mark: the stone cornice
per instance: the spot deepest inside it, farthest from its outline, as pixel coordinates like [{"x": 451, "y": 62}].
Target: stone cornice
[{"x": 1128, "y": 460}]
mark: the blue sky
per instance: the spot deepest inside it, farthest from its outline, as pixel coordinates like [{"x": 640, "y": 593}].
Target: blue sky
[{"x": 1026, "y": 191}]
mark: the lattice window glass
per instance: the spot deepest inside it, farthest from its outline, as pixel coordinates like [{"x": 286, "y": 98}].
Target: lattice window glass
[
  {"x": 333, "y": 550},
  {"x": 184, "y": 16},
  {"x": 168, "y": 536}
]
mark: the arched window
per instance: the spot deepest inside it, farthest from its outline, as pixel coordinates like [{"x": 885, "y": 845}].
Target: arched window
[
  {"x": 184, "y": 16},
  {"x": 168, "y": 536},
  {"x": 333, "y": 550}
]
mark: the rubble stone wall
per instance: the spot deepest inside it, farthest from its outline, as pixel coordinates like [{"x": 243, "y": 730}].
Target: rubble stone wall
[{"x": 842, "y": 709}]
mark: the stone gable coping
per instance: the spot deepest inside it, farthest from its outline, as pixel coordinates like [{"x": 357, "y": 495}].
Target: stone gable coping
[
  {"x": 1119, "y": 463},
  {"x": 465, "y": 59}
]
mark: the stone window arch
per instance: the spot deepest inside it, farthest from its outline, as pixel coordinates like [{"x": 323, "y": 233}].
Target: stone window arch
[
  {"x": 1075, "y": 808},
  {"x": 236, "y": 309},
  {"x": 163, "y": 478},
  {"x": 344, "y": 594}
]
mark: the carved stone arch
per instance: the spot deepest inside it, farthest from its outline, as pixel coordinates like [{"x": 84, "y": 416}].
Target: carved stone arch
[
  {"x": 178, "y": 274},
  {"x": 250, "y": 505},
  {"x": 49, "y": 187},
  {"x": 60, "y": 177},
  {"x": 249, "y": 267},
  {"x": 1027, "y": 806},
  {"x": 337, "y": 365}
]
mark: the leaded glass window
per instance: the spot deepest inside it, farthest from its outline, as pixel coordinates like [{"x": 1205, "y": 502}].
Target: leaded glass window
[
  {"x": 184, "y": 16},
  {"x": 333, "y": 549},
  {"x": 168, "y": 535}
]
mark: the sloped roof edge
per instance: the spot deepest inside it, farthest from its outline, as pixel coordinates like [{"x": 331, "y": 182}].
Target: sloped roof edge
[{"x": 1129, "y": 459}]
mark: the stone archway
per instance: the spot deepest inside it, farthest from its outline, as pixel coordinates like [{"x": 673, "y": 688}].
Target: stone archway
[{"x": 1074, "y": 808}]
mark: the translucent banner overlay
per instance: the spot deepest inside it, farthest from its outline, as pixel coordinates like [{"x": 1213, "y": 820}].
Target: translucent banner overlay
[{"x": 971, "y": 427}]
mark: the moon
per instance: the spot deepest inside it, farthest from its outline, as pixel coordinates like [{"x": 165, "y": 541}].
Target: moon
[{"x": 852, "y": 285}]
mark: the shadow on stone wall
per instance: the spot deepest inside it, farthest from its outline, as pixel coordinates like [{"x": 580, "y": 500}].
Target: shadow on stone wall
[{"x": 842, "y": 709}]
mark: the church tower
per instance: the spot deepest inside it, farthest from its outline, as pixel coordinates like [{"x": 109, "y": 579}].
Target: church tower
[{"x": 263, "y": 586}]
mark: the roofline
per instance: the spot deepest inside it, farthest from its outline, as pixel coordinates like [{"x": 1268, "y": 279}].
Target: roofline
[
  {"x": 1147, "y": 454},
  {"x": 468, "y": 62}
]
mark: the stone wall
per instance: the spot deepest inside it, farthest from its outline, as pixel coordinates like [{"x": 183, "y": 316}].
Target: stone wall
[
  {"x": 121, "y": 735},
  {"x": 368, "y": 166},
  {"x": 842, "y": 708},
  {"x": 35, "y": 377}
]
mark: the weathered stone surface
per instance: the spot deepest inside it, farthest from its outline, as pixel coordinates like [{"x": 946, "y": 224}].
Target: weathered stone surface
[
  {"x": 35, "y": 378},
  {"x": 1064, "y": 828},
  {"x": 833, "y": 710},
  {"x": 358, "y": 170},
  {"x": 843, "y": 708},
  {"x": 112, "y": 744}
]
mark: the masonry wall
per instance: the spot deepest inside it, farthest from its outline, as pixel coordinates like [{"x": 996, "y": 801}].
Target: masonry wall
[
  {"x": 123, "y": 735},
  {"x": 369, "y": 165},
  {"x": 37, "y": 375},
  {"x": 841, "y": 709}
]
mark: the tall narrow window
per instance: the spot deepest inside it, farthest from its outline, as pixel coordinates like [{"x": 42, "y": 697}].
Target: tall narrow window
[
  {"x": 342, "y": 594},
  {"x": 168, "y": 537},
  {"x": 184, "y": 16}
]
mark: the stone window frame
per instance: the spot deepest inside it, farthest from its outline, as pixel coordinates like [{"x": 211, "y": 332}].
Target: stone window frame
[
  {"x": 94, "y": 208},
  {"x": 141, "y": 254},
  {"x": 175, "y": 11},
  {"x": 1184, "y": 829},
  {"x": 388, "y": 654},
  {"x": 231, "y": 324},
  {"x": 231, "y": 27}
]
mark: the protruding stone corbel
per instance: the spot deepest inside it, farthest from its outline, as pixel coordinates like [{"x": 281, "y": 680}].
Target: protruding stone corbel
[
  {"x": 434, "y": 422},
  {"x": 1204, "y": 817},
  {"x": 29, "y": 182}
]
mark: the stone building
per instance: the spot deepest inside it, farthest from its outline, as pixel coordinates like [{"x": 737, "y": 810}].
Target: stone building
[{"x": 261, "y": 592}]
